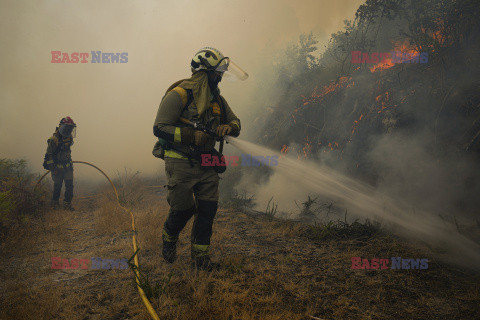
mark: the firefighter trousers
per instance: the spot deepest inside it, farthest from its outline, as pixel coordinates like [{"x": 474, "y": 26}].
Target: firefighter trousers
[{"x": 192, "y": 192}]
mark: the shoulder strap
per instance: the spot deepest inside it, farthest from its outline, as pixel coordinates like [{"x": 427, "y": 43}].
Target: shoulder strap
[
  {"x": 222, "y": 119},
  {"x": 54, "y": 138},
  {"x": 222, "y": 109}
]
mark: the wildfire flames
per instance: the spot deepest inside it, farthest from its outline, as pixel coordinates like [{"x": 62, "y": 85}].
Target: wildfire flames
[
  {"x": 355, "y": 125},
  {"x": 317, "y": 97},
  {"x": 399, "y": 46},
  {"x": 387, "y": 64},
  {"x": 306, "y": 148},
  {"x": 333, "y": 145},
  {"x": 439, "y": 35},
  {"x": 383, "y": 102}
]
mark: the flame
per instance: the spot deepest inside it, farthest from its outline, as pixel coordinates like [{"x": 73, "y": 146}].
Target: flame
[
  {"x": 306, "y": 148},
  {"x": 294, "y": 120},
  {"x": 304, "y": 152},
  {"x": 405, "y": 96},
  {"x": 406, "y": 48},
  {"x": 355, "y": 125},
  {"x": 382, "y": 101},
  {"x": 333, "y": 145},
  {"x": 398, "y": 46},
  {"x": 317, "y": 97},
  {"x": 383, "y": 65},
  {"x": 438, "y": 35}
]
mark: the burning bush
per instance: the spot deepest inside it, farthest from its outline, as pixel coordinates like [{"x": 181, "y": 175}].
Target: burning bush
[{"x": 363, "y": 117}]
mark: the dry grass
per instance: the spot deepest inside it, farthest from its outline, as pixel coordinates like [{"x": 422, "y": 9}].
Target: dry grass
[
  {"x": 110, "y": 218},
  {"x": 271, "y": 270}
]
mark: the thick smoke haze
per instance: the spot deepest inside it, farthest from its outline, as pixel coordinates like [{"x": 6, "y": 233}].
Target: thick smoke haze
[
  {"x": 114, "y": 104},
  {"x": 293, "y": 179}
]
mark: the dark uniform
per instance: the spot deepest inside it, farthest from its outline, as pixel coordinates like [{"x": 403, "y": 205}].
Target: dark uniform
[
  {"x": 59, "y": 162},
  {"x": 192, "y": 188}
]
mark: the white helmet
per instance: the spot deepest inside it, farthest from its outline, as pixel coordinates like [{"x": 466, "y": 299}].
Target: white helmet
[{"x": 209, "y": 58}]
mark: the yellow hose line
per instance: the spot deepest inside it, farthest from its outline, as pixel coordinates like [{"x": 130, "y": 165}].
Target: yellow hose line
[{"x": 147, "y": 303}]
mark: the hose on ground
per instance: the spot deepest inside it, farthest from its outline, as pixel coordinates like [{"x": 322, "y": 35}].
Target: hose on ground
[{"x": 145, "y": 300}]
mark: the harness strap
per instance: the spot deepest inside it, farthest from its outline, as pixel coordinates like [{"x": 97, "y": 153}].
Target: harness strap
[{"x": 222, "y": 120}]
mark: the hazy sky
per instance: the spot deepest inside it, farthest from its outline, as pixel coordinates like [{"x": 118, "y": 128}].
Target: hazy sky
[{"x": 114, "y": 105}]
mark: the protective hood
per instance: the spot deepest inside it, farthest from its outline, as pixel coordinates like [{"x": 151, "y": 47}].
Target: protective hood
[{"x": 198, "y": 83}]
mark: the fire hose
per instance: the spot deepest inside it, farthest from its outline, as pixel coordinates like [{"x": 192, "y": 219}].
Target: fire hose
[{"x": 145, "y": 300}]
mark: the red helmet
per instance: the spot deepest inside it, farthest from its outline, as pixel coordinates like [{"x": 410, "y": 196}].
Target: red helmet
[{"x": 67, "y": 121}]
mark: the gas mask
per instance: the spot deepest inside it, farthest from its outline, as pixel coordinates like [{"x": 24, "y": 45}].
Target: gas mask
[{"x": 67, "y": 130}]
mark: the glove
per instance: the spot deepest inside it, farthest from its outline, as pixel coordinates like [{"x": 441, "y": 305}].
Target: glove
[
  {"x": 197, "y": 137},
  {"x": 223, "y": 130},
  {"x": 201, "y": 138},
  {"x": 186, "y": 135}
]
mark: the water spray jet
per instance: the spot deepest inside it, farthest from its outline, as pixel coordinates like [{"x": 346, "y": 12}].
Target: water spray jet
[{"x": 369, "y": 202}]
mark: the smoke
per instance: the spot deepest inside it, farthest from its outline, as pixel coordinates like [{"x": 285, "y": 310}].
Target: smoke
[
  {"x": 114, "y": 105},
  {"x": 446, "y": 186},
  {"x": 400, "y": 145},
  {"x": 292, "y": 179},
  {"x": 410, "y": 131}
]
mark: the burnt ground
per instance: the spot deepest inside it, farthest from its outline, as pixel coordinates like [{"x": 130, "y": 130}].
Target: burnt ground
[{"x": 272, "y": 269}]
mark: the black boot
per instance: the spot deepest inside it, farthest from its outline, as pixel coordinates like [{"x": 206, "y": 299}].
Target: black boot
[
  {"x": 54, "y": 204},
  {"x": 68, "y": 206},
  {"x": 176, "y": 221},
  {"x": 169, "y": 251}
]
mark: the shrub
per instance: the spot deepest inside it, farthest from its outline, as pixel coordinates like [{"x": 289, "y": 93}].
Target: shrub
[
  {"x": 343, "y": 230},
  {"x": 18, "y": 200}
]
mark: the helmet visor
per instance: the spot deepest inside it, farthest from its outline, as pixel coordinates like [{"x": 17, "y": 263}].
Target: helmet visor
[
  {"x": 230, "y": 70},
  {"x": 68, "y": 130}
]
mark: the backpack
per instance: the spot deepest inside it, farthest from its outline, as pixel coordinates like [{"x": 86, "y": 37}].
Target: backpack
[
  {"x": 161, "y": 145},
  {"x": 45, "y": 158}
]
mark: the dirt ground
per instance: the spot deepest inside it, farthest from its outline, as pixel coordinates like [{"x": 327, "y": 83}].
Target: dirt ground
[{"x": 271, "y": 269}]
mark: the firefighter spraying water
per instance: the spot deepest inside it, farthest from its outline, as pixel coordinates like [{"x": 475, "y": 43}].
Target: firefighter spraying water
[{"x": 191, "y": 118}]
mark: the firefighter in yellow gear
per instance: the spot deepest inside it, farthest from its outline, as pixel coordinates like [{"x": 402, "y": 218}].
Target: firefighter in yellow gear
[
  {"x": 58, "y": 159},
  {"x": 193, "y": 188}
]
